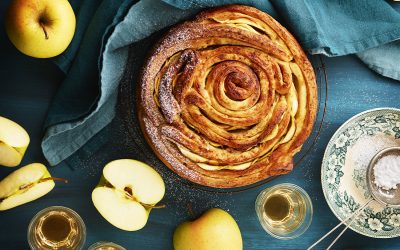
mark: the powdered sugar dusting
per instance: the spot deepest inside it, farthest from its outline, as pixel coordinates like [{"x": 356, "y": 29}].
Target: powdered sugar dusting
[
  {"x": 169, "y": 105},
  {"x": 367, "y": 147},
  {"x": 387, "y": 172},
  {"x": 174, "y": 58}
]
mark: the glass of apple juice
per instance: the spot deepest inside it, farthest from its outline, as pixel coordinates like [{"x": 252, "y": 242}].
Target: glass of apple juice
[
  {"x": 284, "y": 210},
  {"x": 55, "y": 228}
]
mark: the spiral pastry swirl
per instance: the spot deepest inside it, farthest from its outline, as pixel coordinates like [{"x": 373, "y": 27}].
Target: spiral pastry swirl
[{"x": 227, "y": 99}]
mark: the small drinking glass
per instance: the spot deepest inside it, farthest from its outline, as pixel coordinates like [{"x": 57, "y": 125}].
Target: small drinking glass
[
  {"x": 103, "y": 245},
  {"x": 284, "y": 211},
  {"x": 56, "y": 227}
]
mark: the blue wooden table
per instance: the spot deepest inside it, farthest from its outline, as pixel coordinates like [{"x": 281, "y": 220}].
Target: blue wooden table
[{"x": 26, "y": 88}]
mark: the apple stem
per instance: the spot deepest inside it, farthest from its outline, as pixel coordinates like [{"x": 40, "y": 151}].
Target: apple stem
[
  {"x": 155, "y": 206},
  {"x": 46, "y": 36},
  {"x": 190, "y": 209},
  {"x": 43, "y": 180},
  {"x": 54, "y": 179}
]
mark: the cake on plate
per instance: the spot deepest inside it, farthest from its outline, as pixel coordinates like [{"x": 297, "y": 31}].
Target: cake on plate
[{"x": 228, "y": 98}]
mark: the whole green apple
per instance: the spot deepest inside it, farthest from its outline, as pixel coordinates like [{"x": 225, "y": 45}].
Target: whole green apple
[
  {"x": 215, "y": 229},
  {"x": 40, "y": 28}
]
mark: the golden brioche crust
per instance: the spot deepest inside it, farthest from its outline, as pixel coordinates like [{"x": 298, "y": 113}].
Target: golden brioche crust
[{"x": 227, "y": 99}]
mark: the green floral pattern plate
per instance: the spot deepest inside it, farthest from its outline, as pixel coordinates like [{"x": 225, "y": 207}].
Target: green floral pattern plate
[{"x": 343, "y": 171}]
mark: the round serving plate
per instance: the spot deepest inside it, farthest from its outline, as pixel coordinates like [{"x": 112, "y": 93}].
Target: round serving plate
[
  {"x": 343, "y": 171},
  {"x": 128, "y": 112}
]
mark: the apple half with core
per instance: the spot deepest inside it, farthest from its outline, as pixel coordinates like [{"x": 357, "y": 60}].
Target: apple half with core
[
  {"x": 14, "y": 141},
  {"x": 215, "y": 229},
  {"x": 127, "y": 192},
  {"x": 24, "y": 185},
  {"x": 40, "y": 28}
]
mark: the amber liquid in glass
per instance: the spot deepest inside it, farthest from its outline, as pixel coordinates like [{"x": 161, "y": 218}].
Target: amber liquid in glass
[
  {"x": 277, "y": 207},
  {"x": 57, "y": 230},
  {"x": 284, "y": 210}
]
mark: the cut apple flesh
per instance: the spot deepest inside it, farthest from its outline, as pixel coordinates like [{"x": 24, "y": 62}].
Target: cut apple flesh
[
  {"x": 119, "y": 210},
  {"x": 23, "y": 185},
  {"x": 32, "y": 193},
  {"x": 13, "y": 142},
  {"x": 9, "y": 156},
  {"x": 13, "y": 134},
  {"x": 126, "y": 193},
  {"x": 145, "y": 183},
  {"x": 29, "y": 174}
]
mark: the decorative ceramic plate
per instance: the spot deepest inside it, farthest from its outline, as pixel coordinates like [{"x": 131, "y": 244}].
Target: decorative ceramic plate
[{"x": 343, "y": 172}]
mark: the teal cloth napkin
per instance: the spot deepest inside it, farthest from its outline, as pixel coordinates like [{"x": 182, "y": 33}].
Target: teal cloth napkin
[
  {"x": 95, "y": 61},
  {"x": 383, "y": 59}
]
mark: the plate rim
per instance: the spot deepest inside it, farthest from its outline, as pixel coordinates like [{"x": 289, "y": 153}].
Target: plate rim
[{"x": 324, "y": 190}]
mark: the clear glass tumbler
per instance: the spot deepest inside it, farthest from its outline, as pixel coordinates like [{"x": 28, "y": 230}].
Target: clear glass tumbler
[
  {"x": 56, "y": 227},
  {"x": 284, "y": 210},
  {"x": 103, "y": 245}
]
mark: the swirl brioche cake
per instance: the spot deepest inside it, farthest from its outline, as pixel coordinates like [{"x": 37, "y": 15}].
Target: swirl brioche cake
[{"x": 227, "y": 99}]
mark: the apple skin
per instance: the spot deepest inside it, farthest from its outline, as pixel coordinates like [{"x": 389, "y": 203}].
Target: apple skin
[
  {"x": 215, "y": 229},
  {"x": 10, "y": 193},
  {"x": 40, "y": 28},
  {"x": 14, "y": 141},
  {"x": 128, "y": 212}
]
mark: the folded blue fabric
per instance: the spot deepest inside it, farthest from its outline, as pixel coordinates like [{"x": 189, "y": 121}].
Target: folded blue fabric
[
  {"x": 335, "y": 28},
  {"x": 86, "y": 101},
  {"x": 83, "y": 105},
  {"x": 383, "y": 59},
  {"x": 63, "y": 137}
]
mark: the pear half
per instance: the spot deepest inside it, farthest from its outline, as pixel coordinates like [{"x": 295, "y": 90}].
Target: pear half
[
  {"x": 127, "y": 192},
  {"x": 24, "y": 185},
  {"x": 14, "y": 141}
]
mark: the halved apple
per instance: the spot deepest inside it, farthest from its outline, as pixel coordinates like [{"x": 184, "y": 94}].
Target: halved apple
[
  {"x": 14, "y": 141},
  {"x": 24, "y": 185},
  {"x": 127, "y": 192}
]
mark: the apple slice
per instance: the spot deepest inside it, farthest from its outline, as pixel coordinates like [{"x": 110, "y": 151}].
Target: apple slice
[
  {"x": 127, "y": 192},
  {"x": 24, "y": 185},
  {"x": 14, "y": 141},
  {"x": 118, "y": 210}
]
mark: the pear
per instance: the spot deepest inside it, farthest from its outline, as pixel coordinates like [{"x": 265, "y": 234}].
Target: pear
[
  {"x": 215, "y": 229},
  {"x": 127, "y": 192},
  {"x": 24, "y": 185},
  {"x": 14, "y": 141}
]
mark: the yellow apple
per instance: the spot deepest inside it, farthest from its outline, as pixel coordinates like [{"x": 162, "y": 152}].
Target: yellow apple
[
  {"x": 40, "y": 28},
  {"x": 14, "y": 141},
  {"x": 215, "y": 229},
  {"x": 126, "y": 193},
  {"x": 24, "y": 185}
]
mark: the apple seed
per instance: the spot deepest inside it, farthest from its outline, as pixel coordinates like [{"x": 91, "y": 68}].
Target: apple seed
[{"x": 129, "y": 194}]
